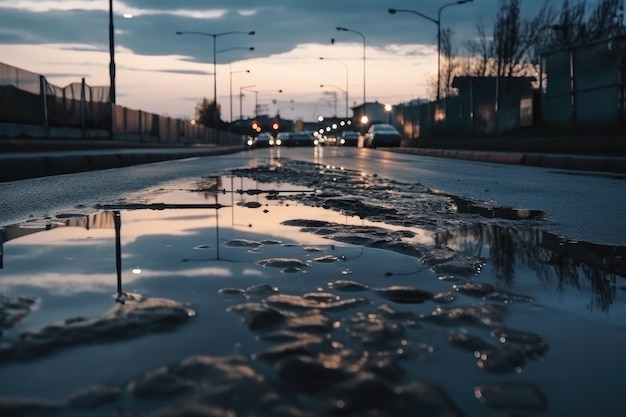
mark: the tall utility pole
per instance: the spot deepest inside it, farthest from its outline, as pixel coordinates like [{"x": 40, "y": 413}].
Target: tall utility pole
[
  {"x": 346, "y": 90},
  {"x": 215, "y": 36},
  {"x": 436, "y": 21},
  {"x": 111, "y": 54},
  {"x": 342, "y": 29}
]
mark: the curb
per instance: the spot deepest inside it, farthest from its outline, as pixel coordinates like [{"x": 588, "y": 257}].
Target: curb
[
  {"x": 569, "y": 162},
  {"x": 21, "y": 167}
]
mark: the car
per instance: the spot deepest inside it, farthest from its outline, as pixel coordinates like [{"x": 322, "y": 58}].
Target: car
[
  {"x": 248, "y": 141},
  {"x": 382, "y": 135},
  {"x": 264, "y": 140},
  {"x": 282, "y": 138},
  {"x": 303, "y": 138},
  {"x": 349, "y": 138}
]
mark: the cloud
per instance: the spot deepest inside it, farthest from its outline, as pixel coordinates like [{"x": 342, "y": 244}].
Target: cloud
[
  {"x": 67, "y": 37},
  {"x": 280, "y": 25}
]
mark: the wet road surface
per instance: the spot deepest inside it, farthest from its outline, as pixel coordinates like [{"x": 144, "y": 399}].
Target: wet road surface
[{"x": 293, "y": 288}]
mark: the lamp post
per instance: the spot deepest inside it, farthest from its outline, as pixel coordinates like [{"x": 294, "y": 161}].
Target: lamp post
[
  {"x": 346, "y": 90},
  {"x": 342, "y": 29},
  {"x": 251, "y": 48},
  {"x": 231, "y": 90},
  {"x": 215, "y": 36},
  {"x": 241, "y": 89},
  {"x": 340, "y": 89},
  {"x": 438, "y": 23},
  {"x": 111, "y": 56}
]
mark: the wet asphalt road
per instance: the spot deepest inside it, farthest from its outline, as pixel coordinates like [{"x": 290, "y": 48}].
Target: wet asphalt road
[{"x": 580, "y": 205}]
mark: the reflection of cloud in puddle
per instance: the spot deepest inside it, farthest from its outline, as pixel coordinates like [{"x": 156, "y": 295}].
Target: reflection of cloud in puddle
[
  {"x": 252, "y": 272},
  {"x": 67, "y": 283},
  {"x": 73, "y": 283}
]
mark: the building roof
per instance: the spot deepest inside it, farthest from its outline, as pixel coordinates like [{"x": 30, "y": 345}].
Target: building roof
[{"x": 466, "y": 81}]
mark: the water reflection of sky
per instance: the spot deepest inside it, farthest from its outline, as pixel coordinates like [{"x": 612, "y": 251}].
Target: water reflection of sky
[
  {"x": 70, "y": 264},
  {"x": 572, "y": 269}
]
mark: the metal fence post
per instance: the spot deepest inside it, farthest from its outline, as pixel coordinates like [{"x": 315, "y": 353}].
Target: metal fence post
[
  {"x": 572, "y": 85},
  {"x": 44, "y": 102},
  {"x": 140, "y": 125},
  {"x": 621, "y": 75},
  {"x": 82, "y": 108}
]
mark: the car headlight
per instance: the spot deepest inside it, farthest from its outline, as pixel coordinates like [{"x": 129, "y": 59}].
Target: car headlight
[
  {"x": 250, "y": 142},
  {"x": 342, "y": 141},
  {"x": 271, "y": 142},
  {"x": 278, "y": 142}
]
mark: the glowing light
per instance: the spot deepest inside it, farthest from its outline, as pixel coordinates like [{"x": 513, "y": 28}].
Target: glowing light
[
  {"x": 440, "y": 114},
  {"x": 364, "y": 119}
]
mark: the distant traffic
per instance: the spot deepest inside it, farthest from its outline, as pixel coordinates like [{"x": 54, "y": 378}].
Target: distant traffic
[{"x": 378, "y": 135}]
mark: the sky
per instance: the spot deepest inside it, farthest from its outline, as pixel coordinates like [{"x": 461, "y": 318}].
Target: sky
[{"x": 161, "y": 72}]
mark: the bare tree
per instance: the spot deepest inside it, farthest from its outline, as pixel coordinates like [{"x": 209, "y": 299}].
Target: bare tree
[
  {"x": 506, "y": 37},
  {"x": 450, "y": 62},
  {"x": 513, "y": 50},
  {"x": 477, "y": 62},
  {"x": 516, "y": 39},
  {"x": 605, "y": 20},
  {"x": 570, "y": 28}
]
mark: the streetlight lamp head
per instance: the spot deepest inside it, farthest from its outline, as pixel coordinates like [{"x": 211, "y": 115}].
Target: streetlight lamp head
[
  {"x": 179, "y": 33},
  {"x": 252, "y": 48},
  {"x": 464, "y": 1},
  {"x": 392, "y": 11},
  {"x": 340, "y": 28},
  {"x": 251, "y": 32}
]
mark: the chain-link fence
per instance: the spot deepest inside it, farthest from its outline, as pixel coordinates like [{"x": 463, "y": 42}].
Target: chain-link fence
[
  {"x": 585, "y": 84},
  {"x": 483, "y": 106},
  {"x": 29, "y": 100}
]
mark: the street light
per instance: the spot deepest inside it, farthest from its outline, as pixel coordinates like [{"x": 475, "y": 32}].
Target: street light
[
  {"x": 342, "y": 29},
  {"x": 438, "y": 23},
  {"x": 231, "y": 90},
  {"x": 251, "y": 48},
  {"x": 245, "y": 87},
  {"x": 111, "y": 56},
  {"x": 388, "y": 109},
  {"x": 340, "y": 89},
  {"x": 214, "y": 36},
  {"x": 346, "y": 91}
]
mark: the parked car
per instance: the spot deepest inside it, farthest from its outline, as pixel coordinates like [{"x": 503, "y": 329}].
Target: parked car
[
  {"x": 282, "y": 138},
  {"x": 349, "y": 138},
  {"x": 248, "y": 141},
  {"x": 382, "y": 135},
  {"x": 264, "y": 140},
  {"x": 303, "y": 138}
]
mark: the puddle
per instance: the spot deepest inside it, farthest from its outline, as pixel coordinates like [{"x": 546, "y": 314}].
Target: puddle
[{"x": 307, "y": 290}]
